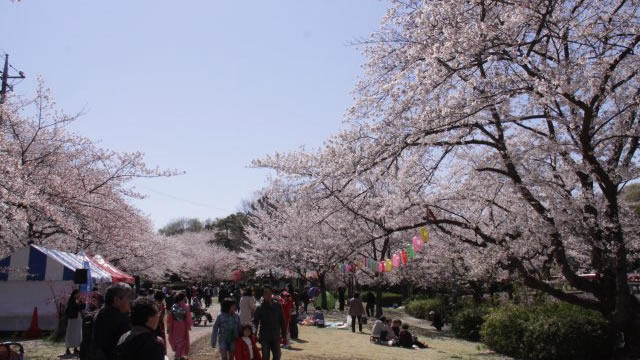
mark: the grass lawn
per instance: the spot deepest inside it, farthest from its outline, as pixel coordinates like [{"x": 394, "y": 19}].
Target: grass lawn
[
  {"x": 40, "y": 349},
  {"x": 321, "y": 344},
  {"x": 316, "y": 344}
]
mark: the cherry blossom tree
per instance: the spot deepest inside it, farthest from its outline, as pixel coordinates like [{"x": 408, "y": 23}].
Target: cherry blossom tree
[
  {"x": 509, "y": 127},
  {"x": 293, "y": 233},
  {"x": 60, "y": 188},
  {"x": 192, "y": 256}
]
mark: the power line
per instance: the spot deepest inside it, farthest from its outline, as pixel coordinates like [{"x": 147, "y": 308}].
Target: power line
[{"x": 207, "y": 206}]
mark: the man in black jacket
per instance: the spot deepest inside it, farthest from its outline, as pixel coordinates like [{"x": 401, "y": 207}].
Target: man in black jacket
[
  {"x": 370, "y": 299},
  {"x": 111, "y": 321},
  {"x": 269, "y": 319},
  {"x": 141, "y": 342}
]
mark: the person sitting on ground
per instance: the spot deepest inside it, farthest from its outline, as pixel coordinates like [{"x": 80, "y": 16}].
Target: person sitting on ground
[
  {"x": 318, "y": 317},
  {"x": 302, "y": 315},
  {"x": 395, "y": 328},
  {"x": 308, "y": 321},
  {"x": 141, "y": 342},
  {"x": 246, "y": 348},
  {"x": 392, "y": 338},
  {"x": 407, "y": 340},
  {"x": 380, "y": 331}
]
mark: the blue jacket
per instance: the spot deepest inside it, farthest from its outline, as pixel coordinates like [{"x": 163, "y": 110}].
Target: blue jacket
[{"x": 226, "y": 329}]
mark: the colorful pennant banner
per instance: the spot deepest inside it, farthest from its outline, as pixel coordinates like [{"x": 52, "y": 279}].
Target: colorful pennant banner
[{"x": 397, "y": 260}]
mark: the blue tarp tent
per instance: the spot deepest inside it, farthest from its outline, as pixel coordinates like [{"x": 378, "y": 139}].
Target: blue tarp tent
[{"x": 37, "y": 276}]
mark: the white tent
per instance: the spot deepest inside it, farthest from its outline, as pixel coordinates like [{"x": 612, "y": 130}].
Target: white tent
[{"x": 35, "y": 276}]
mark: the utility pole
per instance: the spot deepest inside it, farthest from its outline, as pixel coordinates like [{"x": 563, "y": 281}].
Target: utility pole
[{"x": 5, "y": 79}]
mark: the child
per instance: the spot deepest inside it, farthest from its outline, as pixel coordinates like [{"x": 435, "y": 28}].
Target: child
[
  {"x": 246, "y": 348},
  {"x": 318, "y": 317},
  {"x": 407, "y": 340},
  {"x": 226, "y": 329}
]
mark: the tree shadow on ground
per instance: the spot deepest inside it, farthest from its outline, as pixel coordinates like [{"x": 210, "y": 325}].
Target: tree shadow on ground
[
  {"x": 431, "y": 333},
  {"x": 291, "y": 348},
  {"x": 70, "y": 356}
]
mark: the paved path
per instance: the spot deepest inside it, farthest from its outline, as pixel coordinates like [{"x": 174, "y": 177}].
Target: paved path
[{"x": 197, "y": 332}]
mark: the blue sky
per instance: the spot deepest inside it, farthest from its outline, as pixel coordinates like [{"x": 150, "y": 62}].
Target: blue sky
[{"x": 201, "y": 86}]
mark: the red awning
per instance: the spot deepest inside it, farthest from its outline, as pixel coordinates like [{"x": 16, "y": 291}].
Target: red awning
[{"x": 117, "y": 275}]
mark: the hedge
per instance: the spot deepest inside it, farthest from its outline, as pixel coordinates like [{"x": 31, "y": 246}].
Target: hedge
[
  {"x": 421, "y": 308},
  {"x": 467, "y": 322},
  {"x": 549, "y": 331},
  {"x": 331, "y": 301},
  {"x": 389, "y": 299}
]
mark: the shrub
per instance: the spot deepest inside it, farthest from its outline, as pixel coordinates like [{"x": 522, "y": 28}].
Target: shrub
[
  {"x": 467, "y": 322},
  {"x": 389, "y": 299},
  {"x": 549, "y": 331},
  {"x": 406, "y": 301},
  {"x": 331, "y": 301},
  {"x": 421, "y": 308}
]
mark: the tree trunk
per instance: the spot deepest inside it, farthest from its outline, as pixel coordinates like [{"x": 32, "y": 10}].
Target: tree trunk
[
  {"x": 59, "y": 333},
  {"x": 350, "y": 289},
  {"x": 405, "y": 288},
  {"x": 378, "y": 300},
  {"x": 626, "y": 323},
  {"x": 478, "y": 291},
  {"x": 323, "y": 291}
]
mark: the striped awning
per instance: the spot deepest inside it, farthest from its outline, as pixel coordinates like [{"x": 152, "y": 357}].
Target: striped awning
[
  {"x": 37, "y": 263},
  {"x": 117, "y": 275}
]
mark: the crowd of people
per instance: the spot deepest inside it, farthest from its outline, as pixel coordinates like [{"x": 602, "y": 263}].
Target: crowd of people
[{"x": 123, "y": 325}]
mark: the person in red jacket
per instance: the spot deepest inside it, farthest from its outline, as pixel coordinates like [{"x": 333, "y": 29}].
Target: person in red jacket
[
  {"x": 246, "y": 348},
  {"x": 287, "y": 305}
]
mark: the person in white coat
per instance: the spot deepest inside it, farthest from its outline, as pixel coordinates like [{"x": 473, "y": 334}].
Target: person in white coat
[{"x": 247, "y": 307}]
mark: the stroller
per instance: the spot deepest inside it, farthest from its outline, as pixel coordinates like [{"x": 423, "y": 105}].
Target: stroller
[
  {"x": 200, "y": 316},
  {"x": 11, "y": 351}
]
